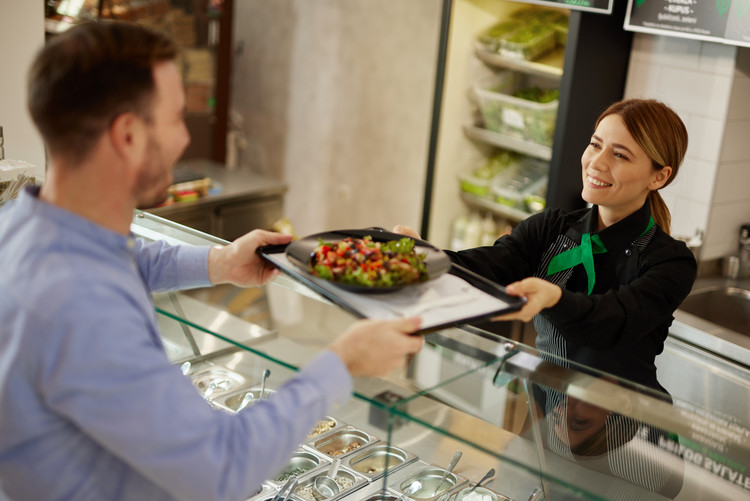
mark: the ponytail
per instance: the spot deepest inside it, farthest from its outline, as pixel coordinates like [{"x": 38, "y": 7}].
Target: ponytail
[{"x": 660, "y": 211}]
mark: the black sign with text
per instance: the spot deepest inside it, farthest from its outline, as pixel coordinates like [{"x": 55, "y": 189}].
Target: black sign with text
[{"x": 725, "y": 21}]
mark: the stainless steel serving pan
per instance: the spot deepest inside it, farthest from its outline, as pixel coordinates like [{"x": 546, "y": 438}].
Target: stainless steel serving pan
[
  {"x": 348, "y": 480},
  {"x": 373, "y": 460},
  {"x": 302, "y": 459},
  {"x": 230, "y": 401},
  {"x": 324, "y": 427},
  {"x": 429, "y": 476},
  {"x": 342, "y": 442}
]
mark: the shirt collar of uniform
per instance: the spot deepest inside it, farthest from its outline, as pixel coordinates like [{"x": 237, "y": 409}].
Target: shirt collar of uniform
[
  {"x": 622, "y": 232},
  {"x": 29, "y": 203}
]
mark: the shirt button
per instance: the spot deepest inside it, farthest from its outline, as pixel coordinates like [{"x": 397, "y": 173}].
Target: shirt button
[{"x": 628, "y": 252}]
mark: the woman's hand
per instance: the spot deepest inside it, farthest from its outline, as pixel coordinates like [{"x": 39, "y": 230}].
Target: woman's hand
[
  {"x": 539, "y": 295},
  {"x": 405, "y": 230},
  {"x": 238, "y": 263}
]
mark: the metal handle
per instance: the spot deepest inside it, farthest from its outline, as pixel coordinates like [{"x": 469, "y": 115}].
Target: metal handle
[
  {"x": 535, "y": 494},
  {"x": 486, "y": 476},
  {"x": 451, "y": 465},
  {"x": 290, "y": 484},
  {"x": 334, "y": 468}
]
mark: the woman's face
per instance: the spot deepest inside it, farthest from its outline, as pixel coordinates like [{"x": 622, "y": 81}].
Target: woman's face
[
  {"x": 576, "y": 421},
  {"x": 617, "y": 173}
]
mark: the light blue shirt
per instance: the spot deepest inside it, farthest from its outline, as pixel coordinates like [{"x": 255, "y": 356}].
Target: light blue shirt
[{"x": 90, "y": 408}]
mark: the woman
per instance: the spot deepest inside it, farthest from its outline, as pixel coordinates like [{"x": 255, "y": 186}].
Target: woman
[{"x": 602, "y": 283}]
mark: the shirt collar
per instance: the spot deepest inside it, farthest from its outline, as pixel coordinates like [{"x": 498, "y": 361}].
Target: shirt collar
[
  {"x": 29, "y": 202},
  {"x": 624, "y": 231}
]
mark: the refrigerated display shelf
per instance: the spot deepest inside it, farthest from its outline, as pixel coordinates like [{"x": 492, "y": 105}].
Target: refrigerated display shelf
[
  {"x": 495, "y": 139},
  {"x": 483, "y": 204},
  {"x": 550, "y": 65}
]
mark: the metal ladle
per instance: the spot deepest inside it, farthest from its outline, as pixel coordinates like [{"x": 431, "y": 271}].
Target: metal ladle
[
  {"x": 326, "y": 486},
  {"x": 451, "y": 465}
]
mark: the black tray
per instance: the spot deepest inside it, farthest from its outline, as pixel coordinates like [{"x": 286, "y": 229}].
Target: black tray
[{"x": 495, "y": 300}]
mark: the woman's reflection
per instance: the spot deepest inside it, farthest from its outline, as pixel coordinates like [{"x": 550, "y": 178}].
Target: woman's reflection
[{"x": 606, "y": 442}]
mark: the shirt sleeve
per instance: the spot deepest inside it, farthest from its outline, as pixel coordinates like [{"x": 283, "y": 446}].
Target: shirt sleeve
[
  {"x": 137, "y": 406},
  {"x": 167, "y": 267},
  {"x": 632, "y": 311},
  {"x": 513, "y": 257}
]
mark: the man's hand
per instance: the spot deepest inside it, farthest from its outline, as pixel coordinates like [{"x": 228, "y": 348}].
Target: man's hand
[
  {"x": 375, "y": 347},
  {"x": 539, "y": 295},
  {"x": 407, "y": 231},
  {"x": 239, "y": 264}
]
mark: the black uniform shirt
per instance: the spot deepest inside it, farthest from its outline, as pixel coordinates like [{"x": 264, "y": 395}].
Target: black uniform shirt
[{"x": 622, "y": 325}]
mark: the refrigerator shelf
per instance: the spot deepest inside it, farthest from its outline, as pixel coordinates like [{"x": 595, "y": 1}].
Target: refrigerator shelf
[
  {"x": 483, "y": 204},
  {"x": 495, "y": 139},
  {"x": 549, "y": 66}
]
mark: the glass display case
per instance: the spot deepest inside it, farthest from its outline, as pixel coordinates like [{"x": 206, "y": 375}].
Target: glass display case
[{"x": 529, "y": 425}]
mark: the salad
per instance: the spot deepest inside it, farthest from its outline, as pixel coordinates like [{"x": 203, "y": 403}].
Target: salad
[{"x": 361, "y": 261}]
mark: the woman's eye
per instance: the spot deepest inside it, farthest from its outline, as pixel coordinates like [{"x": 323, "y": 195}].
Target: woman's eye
[{"x": 593, "y": 144}]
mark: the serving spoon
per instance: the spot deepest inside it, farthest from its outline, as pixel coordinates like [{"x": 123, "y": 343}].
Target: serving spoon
[
  {"x": 486, "y": 477},
  {"x": 249, "y": 395}
]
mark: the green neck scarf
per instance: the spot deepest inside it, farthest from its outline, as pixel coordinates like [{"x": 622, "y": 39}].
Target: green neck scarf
[{"x": 584, "y": 254}]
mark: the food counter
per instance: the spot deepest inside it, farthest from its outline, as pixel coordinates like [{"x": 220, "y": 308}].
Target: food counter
[{"x": 548, "y": 429}]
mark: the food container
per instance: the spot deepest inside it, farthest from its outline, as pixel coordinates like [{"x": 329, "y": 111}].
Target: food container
[
  {"x": 513, "y": 116},
  {"x": 529, "y": 42},
  {"x": 390, "y": 495},
  {"x": 373, "y": 460},
  {"x": 348, "y": 481},
  {"x": 511, "y": 189},
  {"x": 324, "y": 426},
  {"x": 489, "y": 39},
  {"x": 231, "y": 401},
  {"x": 265, "y": 493},
  {"x": 479, "y": 494},
  {"x": 430, "y": 477},
  {"x": 216, "y": 381},
  {"x": 535, "y": 198},
  {"x": 478, "y": 181},
  {"x": 342, "y": 442},
  {"x": 302, "y": 463}
]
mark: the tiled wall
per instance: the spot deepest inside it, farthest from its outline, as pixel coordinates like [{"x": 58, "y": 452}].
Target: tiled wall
[{"x": 708, "y": 84}]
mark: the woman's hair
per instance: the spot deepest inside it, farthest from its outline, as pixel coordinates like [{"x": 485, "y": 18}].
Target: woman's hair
[
  {"x": 662, "y": 135},
  {"x": 84, "y": 78}
]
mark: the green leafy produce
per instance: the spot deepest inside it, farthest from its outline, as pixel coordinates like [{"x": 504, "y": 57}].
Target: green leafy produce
[
  {"x": 292, "y": 472},
  {"x": 537, "y": 94}
]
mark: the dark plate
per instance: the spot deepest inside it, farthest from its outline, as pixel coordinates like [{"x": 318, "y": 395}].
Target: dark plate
[{"x": 300, "y": 251}]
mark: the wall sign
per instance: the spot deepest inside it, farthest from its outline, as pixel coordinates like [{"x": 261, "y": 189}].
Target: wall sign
[
  {"x": 723, "y": 21},
  {"x": 601, "y": 6}
]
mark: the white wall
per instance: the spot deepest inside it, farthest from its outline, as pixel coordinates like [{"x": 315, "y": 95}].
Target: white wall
[
  {"x": 21, "y": 35},
  {"x": 337, "y": 98},
  {"x": 707, "y": 86}
]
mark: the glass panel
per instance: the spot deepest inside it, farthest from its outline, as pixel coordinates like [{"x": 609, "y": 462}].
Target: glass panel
[{"x": 547, "y": 427}]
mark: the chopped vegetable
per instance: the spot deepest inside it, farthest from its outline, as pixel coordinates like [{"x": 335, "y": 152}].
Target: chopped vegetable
[{"x": 362, "y": 261}]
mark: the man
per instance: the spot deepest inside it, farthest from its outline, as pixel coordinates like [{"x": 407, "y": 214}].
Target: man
[{"x": 90, "y": 407}]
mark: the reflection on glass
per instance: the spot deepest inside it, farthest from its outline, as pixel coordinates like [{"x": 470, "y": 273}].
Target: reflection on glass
[{"x": 614, "y": 445}]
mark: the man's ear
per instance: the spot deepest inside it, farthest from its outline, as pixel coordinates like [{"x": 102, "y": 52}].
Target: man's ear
[{"x": 128, "y": 136}]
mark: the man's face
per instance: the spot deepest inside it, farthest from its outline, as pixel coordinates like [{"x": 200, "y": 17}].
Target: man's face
[{"x": 167, "y": 137}]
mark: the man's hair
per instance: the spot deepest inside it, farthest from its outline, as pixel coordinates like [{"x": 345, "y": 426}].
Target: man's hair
[{"x": 86, "y": 77}]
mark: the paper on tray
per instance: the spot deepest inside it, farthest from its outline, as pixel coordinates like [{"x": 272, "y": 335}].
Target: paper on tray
[{"x": 444, "y": 300}]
